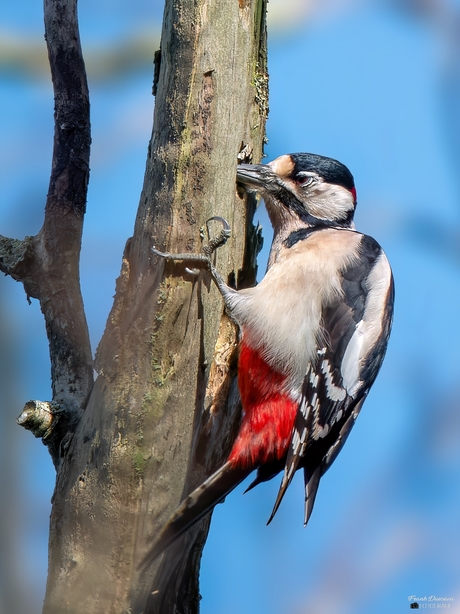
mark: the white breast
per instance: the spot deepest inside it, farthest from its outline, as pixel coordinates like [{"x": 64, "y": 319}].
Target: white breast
[{"x": 281, "y": 316}]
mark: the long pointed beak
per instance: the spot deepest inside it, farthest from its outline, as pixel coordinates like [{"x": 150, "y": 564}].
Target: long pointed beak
[{"x": 255, "y": 176}]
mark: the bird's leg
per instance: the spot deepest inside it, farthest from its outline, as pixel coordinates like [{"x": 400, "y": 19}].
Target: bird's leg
[{"x": 205, "y": 257}]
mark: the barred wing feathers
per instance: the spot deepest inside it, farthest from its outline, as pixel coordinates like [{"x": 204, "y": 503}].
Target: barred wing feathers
[{"x": 356, "y": 328}]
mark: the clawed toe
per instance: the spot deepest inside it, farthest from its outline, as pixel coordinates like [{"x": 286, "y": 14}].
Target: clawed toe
[{"x": 221, "y": 239}]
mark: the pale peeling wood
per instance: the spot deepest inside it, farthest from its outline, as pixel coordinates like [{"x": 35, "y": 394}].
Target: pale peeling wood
[{"x": 153, "y": 427}]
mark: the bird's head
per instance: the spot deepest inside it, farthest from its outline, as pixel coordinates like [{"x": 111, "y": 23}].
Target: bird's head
[{"x": 304, "y": 188}]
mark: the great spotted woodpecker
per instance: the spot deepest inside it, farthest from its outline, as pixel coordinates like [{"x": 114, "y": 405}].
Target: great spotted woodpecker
[{"x": 313, "y": 333}]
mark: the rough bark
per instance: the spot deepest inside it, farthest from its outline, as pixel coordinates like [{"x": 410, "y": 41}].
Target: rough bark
[{"x": 164, "y": 408}]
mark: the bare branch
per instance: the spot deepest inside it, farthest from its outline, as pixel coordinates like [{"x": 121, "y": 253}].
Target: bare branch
[
  {"x": 70, "y": 169},
  {"x": 48, "y": 264}
]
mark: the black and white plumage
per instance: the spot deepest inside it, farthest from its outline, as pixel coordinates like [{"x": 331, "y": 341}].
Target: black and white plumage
[
  {"x": 347, "y": 361},
  {"x": 314, "y": 333}
]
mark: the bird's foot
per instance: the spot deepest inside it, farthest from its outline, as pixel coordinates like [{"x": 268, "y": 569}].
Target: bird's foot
[
  {"x": 221, "y": 239},
  {"x": 208, "y": 249}
]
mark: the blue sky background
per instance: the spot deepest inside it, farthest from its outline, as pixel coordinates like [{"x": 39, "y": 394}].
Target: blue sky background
[{"x": 375, "y": 85}]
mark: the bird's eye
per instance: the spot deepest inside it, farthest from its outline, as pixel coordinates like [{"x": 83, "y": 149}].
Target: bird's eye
[{"x": 303, "y": 180}]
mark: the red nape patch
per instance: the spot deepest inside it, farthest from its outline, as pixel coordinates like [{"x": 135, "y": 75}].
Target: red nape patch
[
  {"x": 353, "y": 191},
  {"x": 269, "y": 413}
]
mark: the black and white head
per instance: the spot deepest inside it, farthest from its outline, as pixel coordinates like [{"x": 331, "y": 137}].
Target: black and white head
[{"x": 303, "y": 187}]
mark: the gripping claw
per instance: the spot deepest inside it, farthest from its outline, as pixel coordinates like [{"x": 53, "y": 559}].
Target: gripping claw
[{"x": 224, "y": 235}]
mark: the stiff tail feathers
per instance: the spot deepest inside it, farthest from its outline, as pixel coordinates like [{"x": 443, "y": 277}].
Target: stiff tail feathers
[
  {"x": 196, "y": 505},
  {"x": 287, "y": 479},
  {"x": 311, "y": 488}
]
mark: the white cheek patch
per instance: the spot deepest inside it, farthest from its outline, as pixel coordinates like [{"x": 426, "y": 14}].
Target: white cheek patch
[{"x": 330, "y": 202}]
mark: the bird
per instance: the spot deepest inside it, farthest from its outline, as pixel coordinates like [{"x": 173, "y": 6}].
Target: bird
[{"x": 313, "y": 334}]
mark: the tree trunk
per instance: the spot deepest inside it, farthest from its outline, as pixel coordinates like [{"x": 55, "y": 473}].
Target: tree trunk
[{"x": 164, "y": 408}]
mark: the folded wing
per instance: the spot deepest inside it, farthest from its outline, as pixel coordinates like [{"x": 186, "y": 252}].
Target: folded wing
[{"x": 356, "y": 326}]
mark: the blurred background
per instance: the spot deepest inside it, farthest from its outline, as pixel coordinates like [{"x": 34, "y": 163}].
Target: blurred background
[{"x": 375, "y": 84}]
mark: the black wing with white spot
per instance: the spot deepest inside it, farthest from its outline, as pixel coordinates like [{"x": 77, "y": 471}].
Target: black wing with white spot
[{"x": 356, "y": 327}]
